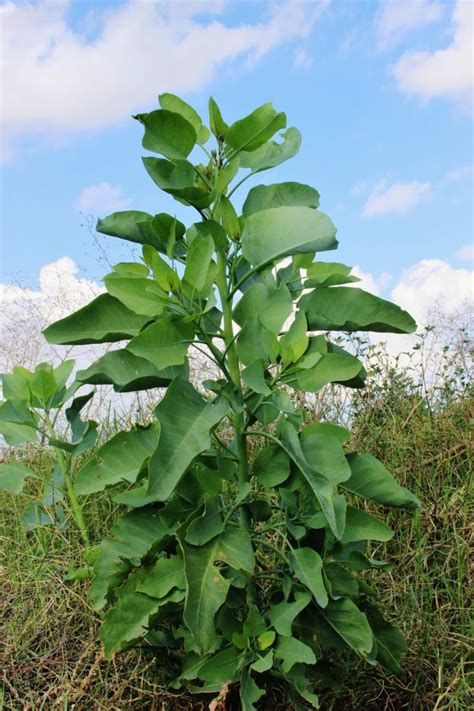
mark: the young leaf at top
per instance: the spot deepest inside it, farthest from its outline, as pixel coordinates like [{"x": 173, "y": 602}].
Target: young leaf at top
[
  {"x": 249, "y": 133},
  {"x": 168, "y": 133},
  {"x": 272, "y": 154}
]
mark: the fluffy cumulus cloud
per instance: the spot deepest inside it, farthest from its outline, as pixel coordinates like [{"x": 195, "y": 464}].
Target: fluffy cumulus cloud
[
  {"x": 398, "y": 197},
  {"x": 59, "y": 79},
  {"x": 25, "y": 312},
  {"x": 102, "y": 198},
  {"x": 396, "y": 18},
  {"x": 433, "y": 283},
  {"x": 446, "y": 72},
  {"x": 466, "y": 252}
]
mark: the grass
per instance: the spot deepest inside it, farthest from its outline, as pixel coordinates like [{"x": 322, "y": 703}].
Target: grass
[{"x": 51, "y": 659}]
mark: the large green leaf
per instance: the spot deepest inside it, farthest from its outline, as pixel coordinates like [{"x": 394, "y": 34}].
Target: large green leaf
[
  {"x": 272, "y": 154},
  {"x": 206, "y": 591},
  {"x": 272, "y": 305},
  {"x": 255, "y": 342},
  {"x": 271, "y": 466},
  {"x": 135, "y": 293},
  {"x": 197, "y": 274},
  {"x": 178, "y": 179},
  {"x": 255, "y": 129},
  {"x": 282, "y": 615},
  {"x": 168, "y": 133},
  {"x": 207, "y": 526},
  {"x": 332, "y": 504},
  {"x": 170, "y": 102},
  {"x": 307, "y": 566},
  {"x": 164, "y": 343},
  {"x": 164, "y": 575},
  {"x": 250, "y": 693},
  {"x": 328, "y": 274},
  {"x": 13, "y": 476},
  {"x": 17, "y": 422},
  {"x": 119, "y": 459},
  {"x": 295, "y": 341},
  {"x": 291, "y": 651},
  {"x": 322, "y": 447},
  {"x": 235, "y": 549},
  {"x": 390, "y": 643},
  {"x": 127, "y": 372},
  {"x": 104, "y": 320},
  {"x": 371, "y": 480},
  {"x": 361, "y": 526},
  {"x": 131, "y": 538},
  {"x": 350, "y": 624},
  {"x": 142, "y": 228},
  {"x": 263, "y": 197},
  {"x": 185, "y": 433},
  {"x": 271, "y": 234},
  {"x": 344, "y": 308},
  {"x": 128, "y": 620}
]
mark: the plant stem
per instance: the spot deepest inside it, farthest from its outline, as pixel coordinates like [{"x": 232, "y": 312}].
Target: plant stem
[{"x": 76, "y": 508}]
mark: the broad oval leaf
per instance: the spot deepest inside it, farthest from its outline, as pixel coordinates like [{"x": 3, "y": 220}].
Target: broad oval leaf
[
  {"x": 185, "y": 433},
  {"x": 179, "y": 180},
  {"x": 350, "y": 624},
  {"x": 371, "y": 480},
  {"x": 170, "y": 102},
  {"x": 343, "y": 308},
  {"x": 272, "y": 305},
  {"x": 272, "y": 154},
  {"x": 307, "y": 566},
  {"x": 128, "y": 373},
  {"x": 119, "y": 459},
  {"x": 263, "y": 197},
  {"x": 274, "y": 233},
  {"x": 142, "y": 228},
  {"x": 13, "y": 476},
  {"x": 134, "y": 293},
  {"x": 328, "y": 274},
  {"x": 162, "y": 577},
  {"x": 291, "y": 651},
  {"x": 104, "y": 320},
  {"x": 361, "y": 526},
  {"x": 323, "y": 448},
  {"x": 168, "y": 133},
  {"x": 271, "y": 466},
  {"x": 164, "y": 343},
  {"x": 255, "y": 129}
]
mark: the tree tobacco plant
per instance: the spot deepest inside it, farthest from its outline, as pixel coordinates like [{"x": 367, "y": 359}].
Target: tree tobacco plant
[{"x": 239, "y": 564}]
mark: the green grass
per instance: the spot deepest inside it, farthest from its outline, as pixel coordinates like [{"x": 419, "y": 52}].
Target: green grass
[{"x": 51, "y": 658}]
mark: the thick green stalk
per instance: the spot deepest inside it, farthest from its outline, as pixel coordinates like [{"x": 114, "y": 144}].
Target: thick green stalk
[
  {"x": 76, "y": 508},
  {"x": 234, "y": 372}
]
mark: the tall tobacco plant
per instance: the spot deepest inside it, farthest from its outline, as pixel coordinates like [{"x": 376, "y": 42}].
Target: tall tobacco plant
[{"x": 239, "y": 565}]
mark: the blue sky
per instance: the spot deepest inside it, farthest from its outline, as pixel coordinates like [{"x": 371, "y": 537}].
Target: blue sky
[{"x": 380, "y": 91}]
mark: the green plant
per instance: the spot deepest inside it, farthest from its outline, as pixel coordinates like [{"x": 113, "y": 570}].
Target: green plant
[
  {"x": 239, "y": 565},
  {"x": 32, "y": 412}
]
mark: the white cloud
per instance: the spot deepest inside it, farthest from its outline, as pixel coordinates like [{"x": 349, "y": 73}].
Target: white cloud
[
  {"x": 431, "y": 282},
  {"x": 26, "y": 312},
  {"x": 57, "y": 80},
  {"x": 369, "y": 282},
  {"x": 444, "y": 72},
  {"x": 458, "y": 174},
  {"x": 102, "y": 198},
  {"x": 466, "y": 253},
  {"x": 397, "y": 18},
  {"x": 399, "y": 197}
]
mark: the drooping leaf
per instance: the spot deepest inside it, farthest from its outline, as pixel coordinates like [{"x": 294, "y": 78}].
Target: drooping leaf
[
  {"x": 164, "y": 343},
  {"x": 328, "y": 274},
  {"x": 13, "y": 476},
  {"x": 272, "y": 306},
  {"x": 18, "y": 424},
  {"x": 332, "y": 504},
  {"x": 249, "y": 133},
  {"x": 128, "y": 620},
  {"x": 322, "y": 446},
  {"x": 250, "y": 693},
  {"x": 206, "y": 591},
  {"x": 307, "y": 566},
  {"x": 282, "y": 615},
  {"x": 127, "y": 372},
  {"x": 272, "y": 153},
  {"x": 142, "y": 228},
  {"x": 256, "y": 342},
  {"x": 329, "y": 368},
  {"x": 130, "y": 540},
  {"x": 254, "y": 377},
  {"x": 168, "y": 133},
  {"x": 271, "y": 466},
  {"x": 170, "y": 102},
  {"x": 371, "y": 480},
  {"x": 135, "y": 293},
  {"x": 343, "y": 308},
  {"x": 350, "y": 624},
  {"x": 185, "y": 433},
  {"x": 119, "y": 459},
  {"x": 162, "y": 577},
  {"x": 274, "y": 233},
  {"x": 361, "y": 526},
  {"x": 178, "y": 179},
  {"x": 291, "y": 651},
  {"x": 263, "y": 197},
  {"x": 340, "y": 581},
  {"x": 390, "y": 643},
  {"x": 104, "y": 320}
]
